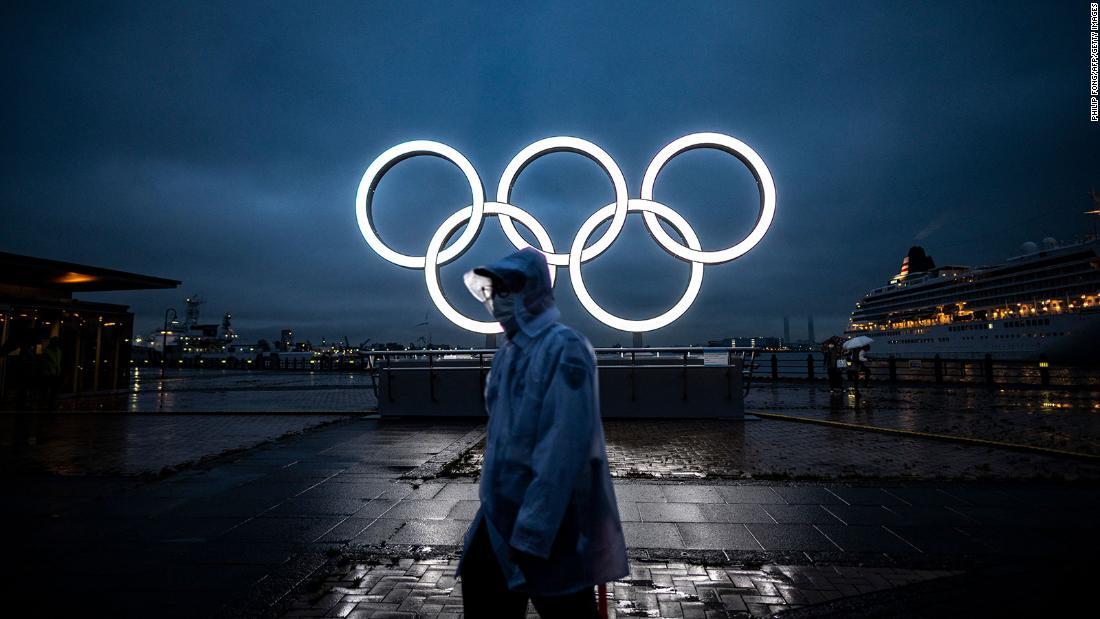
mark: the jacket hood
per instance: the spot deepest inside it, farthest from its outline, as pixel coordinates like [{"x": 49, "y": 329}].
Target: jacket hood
[{"x": 536, "y": 309}]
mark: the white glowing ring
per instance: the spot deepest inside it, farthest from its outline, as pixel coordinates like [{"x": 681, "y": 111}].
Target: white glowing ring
[
  {"x": 738, "y": 149},
  {"x": 646, "y": 207},
  {"x": 365, "y": 196},
  {"x": 434, "y": 259},
  {"x": 437, "y": 255},
  {"x": 572, "y": 145}
]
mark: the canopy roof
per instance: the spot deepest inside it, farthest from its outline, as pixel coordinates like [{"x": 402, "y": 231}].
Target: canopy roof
[{"x": 16, "y": 270}]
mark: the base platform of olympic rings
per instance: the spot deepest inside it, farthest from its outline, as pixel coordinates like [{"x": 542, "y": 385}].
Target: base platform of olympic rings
[{"x": 680, "y": 383}]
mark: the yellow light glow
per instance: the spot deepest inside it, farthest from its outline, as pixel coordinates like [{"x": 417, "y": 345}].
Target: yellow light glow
[{"x": 75, "y": 278}]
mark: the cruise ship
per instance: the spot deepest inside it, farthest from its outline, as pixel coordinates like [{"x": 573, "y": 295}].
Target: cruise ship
[{"x": 1043, "y": 304}]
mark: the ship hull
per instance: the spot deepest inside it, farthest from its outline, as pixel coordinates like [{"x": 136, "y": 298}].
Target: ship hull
[{"x": 1063, "y": 338}]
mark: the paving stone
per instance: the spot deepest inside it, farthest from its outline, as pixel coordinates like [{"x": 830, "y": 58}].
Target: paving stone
[
  {"x": 628, "y": 511},
  {"x": 716, "y": 536},
  {"x": 431, "y": 532},
  {"x": 305, "y": 505},
  {"x": 378, "y": 508},
  {"x": 670, "y": 512},
  {"x": 640, "y": 492},
  {"x": 422, "y": 509},
  {"x": 379, "y": 531},
  {"x": 864, "y": 514},
  {"x": 652, "y": 535},
  {"x": 339, "y": 488},
  {"x": 865, "y": 496},
  {"x": 346, "y": 530},
  {"x": 692, "y": 494},
  {"x": 464, "y": 510},
  {"x": 865, "y": 539},
  {"x": 939, "y": 540},
  {"x": 800, "y": 514},
  {"x": 750, "y": 494},
  {"x": 790, "y": 537},
  {"x": 803, "y": 495},
  {"x": 928, "y": 515},
  {"x": 461, "y": 491},
  {"x": 281, "y": 529},
  {"x": 982, "y": 496},
  {"x": 924, "y": 496},
  {"x": 720, "y": 512}
]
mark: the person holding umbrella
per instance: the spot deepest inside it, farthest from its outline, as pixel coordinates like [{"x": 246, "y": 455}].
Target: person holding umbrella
[{"x": 857, "y": 348}]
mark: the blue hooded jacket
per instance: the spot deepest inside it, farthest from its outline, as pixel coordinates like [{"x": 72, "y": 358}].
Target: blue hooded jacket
[{"x": 545, "y": 484}]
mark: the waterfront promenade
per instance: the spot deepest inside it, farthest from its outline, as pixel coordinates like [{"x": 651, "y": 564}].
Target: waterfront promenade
[{"x": 351, "y": 515}]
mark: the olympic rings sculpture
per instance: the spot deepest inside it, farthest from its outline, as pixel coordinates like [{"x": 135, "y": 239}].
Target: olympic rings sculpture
[{"x": 439, "y": 253}]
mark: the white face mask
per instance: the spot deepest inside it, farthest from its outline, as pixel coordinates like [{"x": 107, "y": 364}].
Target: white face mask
[{"x": 481, "y": 287}]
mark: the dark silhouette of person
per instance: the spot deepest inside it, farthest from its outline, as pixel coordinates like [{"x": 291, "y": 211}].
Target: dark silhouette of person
[
  {"x": 51, "y": 372},
  {"x": 548, "y": 528},
  {"x": 26, "y": 376}
]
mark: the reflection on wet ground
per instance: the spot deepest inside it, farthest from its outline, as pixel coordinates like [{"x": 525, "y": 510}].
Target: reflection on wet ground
[
  {"x": 113, "y": 444},
  {"x": 235, "y": 391},
  {"x": 1065, "y": 420},
  {"x": 1052, "y": 419}
]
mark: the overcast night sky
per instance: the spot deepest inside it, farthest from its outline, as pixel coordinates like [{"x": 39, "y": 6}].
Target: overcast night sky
[{"x": 222, "y": 144}]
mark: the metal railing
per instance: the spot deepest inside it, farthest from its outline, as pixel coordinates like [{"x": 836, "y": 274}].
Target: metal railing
[
  {"x": 683, "y": 357},
  {"x": 937, "y": 369}
]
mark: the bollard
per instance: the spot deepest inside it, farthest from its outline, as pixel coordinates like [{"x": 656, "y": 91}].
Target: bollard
[
  {"x": 892, "y": 364},
  {"x": 810, "y": 366},
  {"x": 775, "y": 367},
  {"x": 987, "y": 369},
  {"x": 937, "y": 368},
  {"x": 1044, "y": 371}
]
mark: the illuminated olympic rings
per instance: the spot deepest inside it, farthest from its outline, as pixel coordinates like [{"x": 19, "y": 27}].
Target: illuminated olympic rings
[{"x": 439, "y": 253}]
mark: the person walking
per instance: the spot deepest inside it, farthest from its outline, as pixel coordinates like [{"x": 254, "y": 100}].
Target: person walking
[
  {"x": 548, "y": 528},
  {"x": 834, "y": 362}
]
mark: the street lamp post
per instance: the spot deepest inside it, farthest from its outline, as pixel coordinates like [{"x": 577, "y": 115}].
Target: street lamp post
[{"x": 164, "y": 339}]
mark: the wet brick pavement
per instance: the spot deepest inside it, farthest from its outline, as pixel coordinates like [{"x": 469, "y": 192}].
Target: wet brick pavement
[
  {"x": 783, "y": 450},
  {"x": 124, "y": 444},
  {"x": 427, "y": 589},
  {"x": 189, "y": 543},
  {"x": 244, "y": 533},
  {"x": 251, "y": 531}
]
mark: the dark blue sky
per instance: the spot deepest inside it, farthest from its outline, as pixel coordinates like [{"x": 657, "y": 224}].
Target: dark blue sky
[{"x": 221, "y": 144}]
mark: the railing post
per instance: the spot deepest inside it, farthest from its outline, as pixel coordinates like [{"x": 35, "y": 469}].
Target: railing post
[
  {"x": 633, "y": 387},
  {"x": 892, "y": 364},
  {"x": 937, "y": 368},
  {"x": 775, "y": 367},
  {"x": 481, "y": 375},
  {"x": 684, "y": 378},
  {"x": 431, "y": 377},
  {"x": 810, "y": 366}
]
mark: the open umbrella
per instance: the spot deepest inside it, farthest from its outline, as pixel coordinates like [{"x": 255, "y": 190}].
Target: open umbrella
[{"x": 858, "y": 342}]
